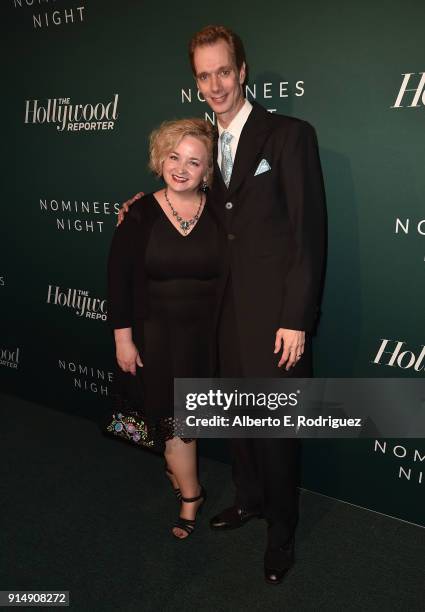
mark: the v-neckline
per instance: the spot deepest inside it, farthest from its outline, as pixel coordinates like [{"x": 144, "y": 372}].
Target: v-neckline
[{"x": 172, "y": 224}]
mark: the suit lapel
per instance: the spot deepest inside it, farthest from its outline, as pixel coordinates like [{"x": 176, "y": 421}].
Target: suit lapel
[
  {"x": 218, "y": 177},
  {"x": 219, "y": 184},
  {"x": 251, "y": 141}
]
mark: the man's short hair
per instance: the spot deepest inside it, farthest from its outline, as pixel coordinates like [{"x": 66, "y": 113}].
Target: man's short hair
[
  {"x": 170, "y": 133},
  {"x": 210, "y": 35}
]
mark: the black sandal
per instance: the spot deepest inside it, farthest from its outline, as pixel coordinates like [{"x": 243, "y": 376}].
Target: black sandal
[
  {"x": 177, "y": 491},
  {"x": 188, "y": 525}
]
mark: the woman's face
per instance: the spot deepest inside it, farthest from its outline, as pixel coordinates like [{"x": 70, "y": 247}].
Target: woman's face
[{"x": 185, "y": 168}]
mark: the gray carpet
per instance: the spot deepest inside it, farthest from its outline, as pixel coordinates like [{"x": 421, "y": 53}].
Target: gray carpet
[{"x": 91, "y": 515}]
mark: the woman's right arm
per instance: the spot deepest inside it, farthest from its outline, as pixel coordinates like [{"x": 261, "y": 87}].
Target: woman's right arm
[
  {"x": 121, "y": 263},
  {"x": 126, "y": 351}
]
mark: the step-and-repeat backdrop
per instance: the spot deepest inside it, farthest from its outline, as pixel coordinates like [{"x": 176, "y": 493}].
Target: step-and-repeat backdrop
[{"x": 85, "y": 83}]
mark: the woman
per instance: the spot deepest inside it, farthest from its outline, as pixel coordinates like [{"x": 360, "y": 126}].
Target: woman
[{"x": 163, "y": 270}]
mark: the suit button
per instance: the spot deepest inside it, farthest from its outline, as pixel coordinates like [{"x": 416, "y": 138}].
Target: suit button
[
  {"x": 229, "y": 205},
  {"x": 231, "y": 236}
]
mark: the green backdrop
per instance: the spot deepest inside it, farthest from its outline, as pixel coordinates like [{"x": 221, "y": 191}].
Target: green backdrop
[{"x": 341, "y": 66}]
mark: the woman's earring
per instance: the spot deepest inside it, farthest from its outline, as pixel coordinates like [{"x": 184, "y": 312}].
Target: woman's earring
[{"x": 204, "y": 186}]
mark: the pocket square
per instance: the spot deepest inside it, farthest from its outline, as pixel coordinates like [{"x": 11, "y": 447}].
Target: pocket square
[{"x": 263, "y": 166}]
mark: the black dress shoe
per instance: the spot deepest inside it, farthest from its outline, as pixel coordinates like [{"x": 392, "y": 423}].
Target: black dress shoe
[
  {"x": 277, "y": 562},
  {"x": 232, "y": 518}
]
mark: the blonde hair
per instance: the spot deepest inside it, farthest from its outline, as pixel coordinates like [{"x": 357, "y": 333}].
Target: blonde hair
[{"x": 170, "y": 133}]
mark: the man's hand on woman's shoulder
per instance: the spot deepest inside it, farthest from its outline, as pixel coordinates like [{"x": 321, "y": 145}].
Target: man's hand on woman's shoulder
[{"x": 126, "y": 206}]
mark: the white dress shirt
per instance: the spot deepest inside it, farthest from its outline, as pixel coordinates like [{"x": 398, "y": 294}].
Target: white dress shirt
[{"x": 235, "y": 128}]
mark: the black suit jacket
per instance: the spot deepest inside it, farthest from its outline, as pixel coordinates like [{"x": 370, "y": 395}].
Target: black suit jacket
[{"x": 275, "y": 232}]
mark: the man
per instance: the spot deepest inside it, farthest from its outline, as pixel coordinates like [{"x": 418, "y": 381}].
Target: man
[{"x": 268, "y": 195}]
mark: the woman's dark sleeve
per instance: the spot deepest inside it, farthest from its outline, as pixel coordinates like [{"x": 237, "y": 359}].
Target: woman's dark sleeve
[{"x": 121, "y": 265}]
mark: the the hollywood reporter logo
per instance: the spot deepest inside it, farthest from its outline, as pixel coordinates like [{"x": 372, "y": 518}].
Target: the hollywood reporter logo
[
  {"x": 9, "y": 358},
  {"x": 73, "y": 117},
  {"x": 79, "y": 300},
  {"x": 392, "y": 353},
  {"x": 412, "y": 90}
]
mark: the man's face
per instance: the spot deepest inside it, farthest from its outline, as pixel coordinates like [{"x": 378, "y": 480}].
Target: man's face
[{"x": 219, "y": 80}]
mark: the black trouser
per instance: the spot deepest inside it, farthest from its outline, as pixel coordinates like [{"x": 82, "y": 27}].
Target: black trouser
[{"x": 266, "y": 470}]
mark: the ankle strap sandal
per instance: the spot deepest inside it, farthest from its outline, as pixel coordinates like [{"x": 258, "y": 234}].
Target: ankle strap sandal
[{"x": 188, "y": 525}]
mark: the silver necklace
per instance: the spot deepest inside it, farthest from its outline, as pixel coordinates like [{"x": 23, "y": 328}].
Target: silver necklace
[{"x": 185, "y": 225}]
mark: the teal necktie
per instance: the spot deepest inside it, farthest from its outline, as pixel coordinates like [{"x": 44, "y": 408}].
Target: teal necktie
[{"x": 226, "y": 157}]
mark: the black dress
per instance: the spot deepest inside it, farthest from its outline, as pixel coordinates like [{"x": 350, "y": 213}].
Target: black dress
[{"x": 175, "y": 335}]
